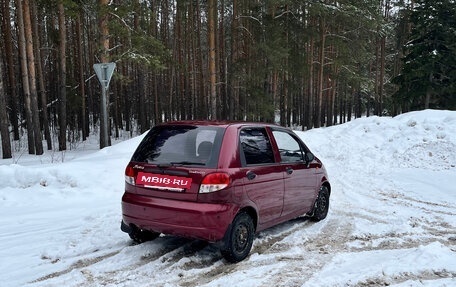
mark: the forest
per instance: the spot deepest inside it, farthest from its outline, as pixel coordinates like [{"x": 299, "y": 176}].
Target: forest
[{"x": 299, "y": 63}]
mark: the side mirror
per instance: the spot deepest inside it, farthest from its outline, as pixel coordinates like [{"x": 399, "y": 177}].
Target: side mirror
[{"x": 309, "y": 157}]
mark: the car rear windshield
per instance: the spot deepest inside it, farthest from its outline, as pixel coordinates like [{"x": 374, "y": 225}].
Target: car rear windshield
[{"x": 180, "y": 145}]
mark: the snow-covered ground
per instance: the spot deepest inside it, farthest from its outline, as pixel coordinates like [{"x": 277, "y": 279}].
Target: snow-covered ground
[{"x": 392, "y": 220}]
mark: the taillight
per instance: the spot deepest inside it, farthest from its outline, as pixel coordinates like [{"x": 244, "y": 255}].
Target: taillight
[
  {"x": 214, "y": 182},
  {"x": 130, "y": 175}
]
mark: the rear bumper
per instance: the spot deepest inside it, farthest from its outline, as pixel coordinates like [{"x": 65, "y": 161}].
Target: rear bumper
[{"x": 206, "y": 221}]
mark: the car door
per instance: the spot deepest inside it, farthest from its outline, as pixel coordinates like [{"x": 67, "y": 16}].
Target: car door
[
  {"x": 263, "y": 181},
  {"x": 300, "y": 180}
]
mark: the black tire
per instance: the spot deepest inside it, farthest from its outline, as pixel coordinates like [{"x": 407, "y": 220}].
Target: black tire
[
  {"x": 239, "y": 238},
  {"x": 140, "y": 236},
  {"x": 321, "y": 206}
]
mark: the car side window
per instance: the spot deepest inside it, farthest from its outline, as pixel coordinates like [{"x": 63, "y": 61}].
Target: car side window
[
  {"x": 256, "y": 146},
  {"x": 289, "y": 148}
]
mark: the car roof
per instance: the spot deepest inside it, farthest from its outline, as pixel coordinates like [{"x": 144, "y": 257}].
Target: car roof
[{"x": 223, "y": 124}]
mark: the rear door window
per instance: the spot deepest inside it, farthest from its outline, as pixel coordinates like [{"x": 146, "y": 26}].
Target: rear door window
[{"x": 256, "y": 146}]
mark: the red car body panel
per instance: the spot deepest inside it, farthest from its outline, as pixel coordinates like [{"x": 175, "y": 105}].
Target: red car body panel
[
  {"x": 271, "y": 192},
  {"x": 188, "y": 219}
]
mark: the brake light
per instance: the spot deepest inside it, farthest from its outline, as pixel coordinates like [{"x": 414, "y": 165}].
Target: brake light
[
  {"x": 130, "y": 175},
  {"x": 214, "y": 182}
]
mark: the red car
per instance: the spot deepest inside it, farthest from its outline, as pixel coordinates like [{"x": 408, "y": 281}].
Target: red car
[{"x": 221, "y": 182}]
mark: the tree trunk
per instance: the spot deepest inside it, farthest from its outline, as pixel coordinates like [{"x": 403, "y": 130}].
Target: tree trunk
[
  {"x": 427, "y": 98},
  {"x": 91, "y": 47},
  {"x": 377, "y": 77},
  {"x": 211, "y": 16},
  {"x": 85, "y": 132},
  {"x": 383, "y": 57},
  {"x": 63, "y": 71},
  {"x": 180, "y": 72},
  {"x": 332, "y": 102},
  {"x": 222, "y": 91},
  {"x": 232, "y": 85},
  {"x": 42, "y": 88},
  {"x": 202, "y": 94},
  {"x": 25, "y": 77},
  {"x": 382, "y": 74},
  {"x": 32, "y": 78},
  {"x": 310, "y": 89},
  {"x": 4, "y": 131},
  {"x": 321, "y": 64},
  {"x": 142, "y": 102},
  {"x": 10, "y": 64}
]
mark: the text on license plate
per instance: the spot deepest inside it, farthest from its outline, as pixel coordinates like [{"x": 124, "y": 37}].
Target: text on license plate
[{"x": 163, "y": 180}]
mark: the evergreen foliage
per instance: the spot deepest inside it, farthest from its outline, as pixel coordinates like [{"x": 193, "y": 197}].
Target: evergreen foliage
[
  {"x": 428, "y": 77},
  {"x": 299, "y": 63}
]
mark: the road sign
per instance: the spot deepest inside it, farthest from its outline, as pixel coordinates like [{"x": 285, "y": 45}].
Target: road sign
[{"x": 104, "y": 72}]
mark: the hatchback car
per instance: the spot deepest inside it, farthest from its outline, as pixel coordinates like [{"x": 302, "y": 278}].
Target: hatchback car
[{"x": 220, "y": 182}]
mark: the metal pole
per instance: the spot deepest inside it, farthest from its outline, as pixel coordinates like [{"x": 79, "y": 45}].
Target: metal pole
[
  {"x": 103, "y": 119},
  {"x": 104, "y": 72}
]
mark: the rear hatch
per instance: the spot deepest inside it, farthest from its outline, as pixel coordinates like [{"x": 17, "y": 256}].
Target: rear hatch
[{"x": 172, "y": 161}]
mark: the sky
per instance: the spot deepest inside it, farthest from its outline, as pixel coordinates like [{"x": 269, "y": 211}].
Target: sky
[{"x": 391, "y": 219}]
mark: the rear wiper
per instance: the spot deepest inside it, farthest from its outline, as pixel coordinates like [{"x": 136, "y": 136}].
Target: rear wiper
[
  {"x": 175, "y": 163},
  {"x": 164, "y": 165}
]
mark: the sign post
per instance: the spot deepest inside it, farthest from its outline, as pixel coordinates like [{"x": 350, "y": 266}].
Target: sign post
[{"x": 104, "y": 73}]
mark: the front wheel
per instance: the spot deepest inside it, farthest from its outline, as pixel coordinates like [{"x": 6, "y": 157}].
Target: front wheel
[
  {"x": 321, "y": 206},
  {"x": 239, "y": 238}
]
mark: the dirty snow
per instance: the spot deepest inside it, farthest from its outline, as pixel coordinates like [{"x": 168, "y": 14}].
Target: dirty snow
[{"x": 392, "y": 220}]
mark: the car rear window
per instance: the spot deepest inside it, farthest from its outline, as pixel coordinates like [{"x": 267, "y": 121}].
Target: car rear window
[{"x": 180, "y": 145}]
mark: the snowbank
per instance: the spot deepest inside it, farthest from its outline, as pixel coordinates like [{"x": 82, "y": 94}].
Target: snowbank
[{"x": 392, "y": 218}]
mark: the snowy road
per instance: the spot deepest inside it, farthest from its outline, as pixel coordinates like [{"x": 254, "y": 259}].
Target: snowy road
[{"x": 392, "y": 219}]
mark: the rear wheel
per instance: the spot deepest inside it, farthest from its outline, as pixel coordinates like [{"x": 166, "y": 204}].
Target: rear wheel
[
  {"x": 140, "y": 236},
  {"x": 239, "y": 238},
  {"x": 321, "y": 206}
]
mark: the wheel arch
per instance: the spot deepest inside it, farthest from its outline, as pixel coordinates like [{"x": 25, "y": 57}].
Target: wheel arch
[
  {"x": 252, "y": 213},
  {"x": 327, "y": 185},
  {"x": 324, "y": 182}
]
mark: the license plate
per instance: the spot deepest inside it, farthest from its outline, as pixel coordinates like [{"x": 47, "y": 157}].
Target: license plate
[{"x": 163, "y": 181}]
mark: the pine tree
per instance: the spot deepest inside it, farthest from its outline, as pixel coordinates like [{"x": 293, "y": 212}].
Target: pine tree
[
  {"x": 4, "y": 131},
  {"x": 428, "y": 77}
]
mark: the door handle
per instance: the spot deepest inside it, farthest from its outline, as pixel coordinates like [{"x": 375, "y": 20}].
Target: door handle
[
  {"x": 250, "y": 175},
  {"x": 289, "y": 170}
]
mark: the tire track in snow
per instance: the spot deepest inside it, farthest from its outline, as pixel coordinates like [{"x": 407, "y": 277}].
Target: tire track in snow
[
  {"x": 79, "y": 264},
  {"x": 319, "y": 249},
  {"x": 278, "y": 244},
  {"x": 303, "y": 247},
  {"x": 403, "y": 277}
]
